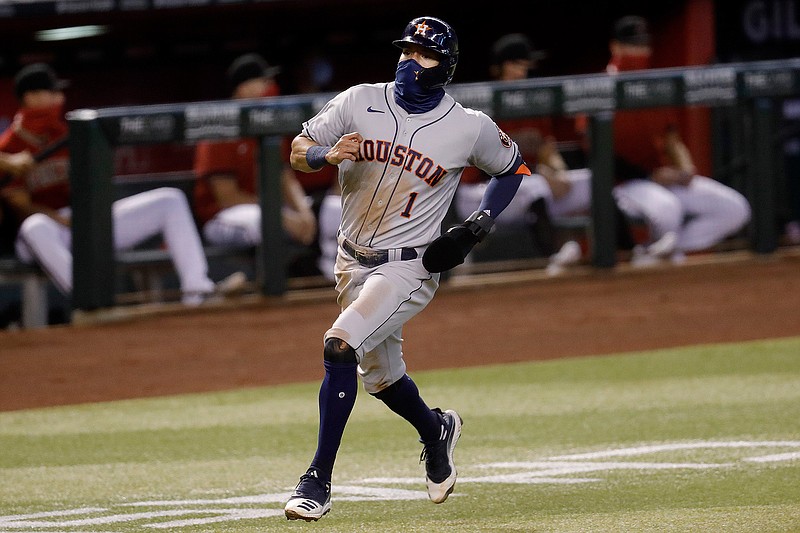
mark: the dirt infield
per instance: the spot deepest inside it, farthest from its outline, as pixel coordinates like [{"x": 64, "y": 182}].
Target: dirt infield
[{"x": 496, "y": 319}]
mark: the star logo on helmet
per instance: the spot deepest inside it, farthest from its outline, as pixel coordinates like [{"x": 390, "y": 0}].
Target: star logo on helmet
[{"x": 422, "y": 28}]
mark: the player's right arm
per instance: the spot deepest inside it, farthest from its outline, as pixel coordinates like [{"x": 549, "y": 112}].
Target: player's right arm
[
  {"x": 309, "y": 156},
  {"x": 20, "y": 202},
  {"x": 298, "y": 218},
  {"x": 16, "y": 164}
]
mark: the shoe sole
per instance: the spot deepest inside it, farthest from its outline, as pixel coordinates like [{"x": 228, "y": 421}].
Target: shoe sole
[
  {"x": 663, "y": 247},
  {"x": 458, "y": 422},
  {"x": 569, "y": 254},
  {"x": 293, "y": 514},
  {"x": 232, "y": 285}
]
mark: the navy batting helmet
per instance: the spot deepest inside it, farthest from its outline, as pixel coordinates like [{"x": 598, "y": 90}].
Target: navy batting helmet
[{"x": 438, "y": 36}]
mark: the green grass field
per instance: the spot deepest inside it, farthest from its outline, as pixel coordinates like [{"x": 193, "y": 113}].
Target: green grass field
[{"x": 698, "y": 439}]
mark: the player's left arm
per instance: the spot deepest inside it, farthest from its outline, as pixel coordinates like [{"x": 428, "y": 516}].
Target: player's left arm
[
  {"x": 451, "y": 249},
  {"x": 679, "y": 168},
  {"x": 226, "y": 191},
  {"x": 503, "y": 187}
]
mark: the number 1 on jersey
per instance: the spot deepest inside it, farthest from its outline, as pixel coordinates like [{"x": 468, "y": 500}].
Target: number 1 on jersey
[{"x": 407, "y": 211}]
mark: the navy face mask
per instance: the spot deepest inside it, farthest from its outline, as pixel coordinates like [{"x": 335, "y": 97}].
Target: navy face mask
[{"x": 409, "y": 93}]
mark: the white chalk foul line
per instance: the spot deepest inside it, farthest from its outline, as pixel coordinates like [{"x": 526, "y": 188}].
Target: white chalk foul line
[
  {"x": 668, "y": 447},
  {"x": 561, "y": 469}
]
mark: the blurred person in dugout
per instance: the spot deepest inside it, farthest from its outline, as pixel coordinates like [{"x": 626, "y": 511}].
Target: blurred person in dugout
[
  {"x": 330, "y": 217},
  {"x": 226, "y": 194},
  {"x": 552, "y": 190},
  {"x": 314, "y": 73},
  {"x": 37, "y": 198},
  {"x": 656, "y": 179},
  {"x": 11, "y": 166}
]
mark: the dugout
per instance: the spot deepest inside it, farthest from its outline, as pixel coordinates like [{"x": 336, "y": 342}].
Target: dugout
[
  {"x": 144, "y": 47},
  {"x": 749, "y": 89}
]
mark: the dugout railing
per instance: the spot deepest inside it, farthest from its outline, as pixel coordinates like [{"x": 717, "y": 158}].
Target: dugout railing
[{"x": 749, "y": 90}]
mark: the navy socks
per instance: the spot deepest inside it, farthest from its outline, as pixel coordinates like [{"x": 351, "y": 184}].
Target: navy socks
[
  {"x": 403, "y": 398},
  {"x": 337, "y": 396}
]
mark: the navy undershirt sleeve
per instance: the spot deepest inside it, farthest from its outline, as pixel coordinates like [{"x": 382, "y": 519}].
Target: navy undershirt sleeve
[{"x": 501, "y": 189}]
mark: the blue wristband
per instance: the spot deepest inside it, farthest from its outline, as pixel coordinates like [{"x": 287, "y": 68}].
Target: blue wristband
[{"x": 315, "y": 156}]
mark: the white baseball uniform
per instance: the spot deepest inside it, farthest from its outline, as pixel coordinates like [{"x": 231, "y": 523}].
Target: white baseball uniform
[
  {"x": 135, "y": 219},
  {"x": 395, "y": 197},
  {"x": 329, "y": 219},
  {"x": 701, "y": 214}
]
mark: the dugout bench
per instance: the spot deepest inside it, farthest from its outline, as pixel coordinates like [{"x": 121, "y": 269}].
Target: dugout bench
[
  {"x": 147, "y": 269},
  {"x": 33, "y": 287}
]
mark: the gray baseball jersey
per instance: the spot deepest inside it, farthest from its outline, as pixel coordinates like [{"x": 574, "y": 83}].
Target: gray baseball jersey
[{"x": 399, "y": 190}]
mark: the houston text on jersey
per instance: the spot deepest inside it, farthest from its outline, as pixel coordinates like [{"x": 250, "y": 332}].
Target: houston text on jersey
[{"x": 412, "y": 161}]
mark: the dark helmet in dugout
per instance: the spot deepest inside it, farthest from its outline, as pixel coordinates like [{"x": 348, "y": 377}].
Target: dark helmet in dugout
[
  {"x": 247, "y": 67},
  {"x": 37, "y": 77},
  {"x": 632, "y": 30},
  {"x": 438, "y": 36},
  {"x": 513, "y": 47}
]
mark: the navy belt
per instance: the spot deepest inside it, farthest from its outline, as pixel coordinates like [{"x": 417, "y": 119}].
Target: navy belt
[{"x": 371, "y": 258}]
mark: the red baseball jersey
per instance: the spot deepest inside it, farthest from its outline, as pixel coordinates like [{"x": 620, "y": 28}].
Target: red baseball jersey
[{"x": 33, "y": 130}]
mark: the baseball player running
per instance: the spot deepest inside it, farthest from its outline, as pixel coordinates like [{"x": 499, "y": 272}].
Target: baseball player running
[{"x": 400, "y": 148}]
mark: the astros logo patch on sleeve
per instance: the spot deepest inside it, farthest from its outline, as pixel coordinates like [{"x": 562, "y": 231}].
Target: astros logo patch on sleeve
[{"x": 505, "y": 140}]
